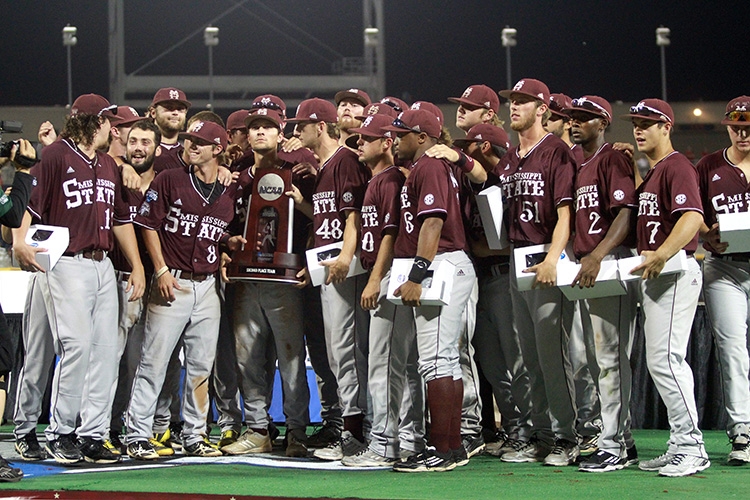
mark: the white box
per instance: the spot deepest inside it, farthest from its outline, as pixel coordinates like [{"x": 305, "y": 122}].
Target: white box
[
  {"x": 14, "y": 285},
  {"x": 677, "y": 264},
  {"x": 607, "y": 281},
  {"x": 54, "y": 239},
  {"x": 490, "y": 204},
  {"x": 327, "y": 253},
  {"x": 526, "y": 257},
  {"x": 436, "y": 287},
  {"x": 735, "y": 230}
]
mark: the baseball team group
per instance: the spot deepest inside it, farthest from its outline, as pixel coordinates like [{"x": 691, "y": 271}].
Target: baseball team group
[{"x": 140, "y": 327}]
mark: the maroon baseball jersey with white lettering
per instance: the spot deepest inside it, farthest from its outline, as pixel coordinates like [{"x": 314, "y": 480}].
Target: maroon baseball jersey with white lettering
[
  {"x": 669, "y": 189},
  {"x": 724, "y": 187},
  {"x": 134, "y": 199},
  {"x": 79, "y": 193},
  {"x": 189, "y": 227},
  {"x": 339, "y": 187},
  {"x": 605, "y": 183},
  {"x": 380, "y": 210},
  {"x": 431, "y": 190},
  {"x": 577, "y": 153},
  {"x": 170, "y": 157},
  {"x": 534, "y": 186}
]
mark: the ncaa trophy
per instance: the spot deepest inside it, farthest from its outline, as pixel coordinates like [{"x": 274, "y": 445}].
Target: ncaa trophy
[{"x": 267, "y": 255}]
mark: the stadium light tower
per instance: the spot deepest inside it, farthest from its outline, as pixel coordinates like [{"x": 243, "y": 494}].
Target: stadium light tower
[
  {"x": 509, "y": 40},
  {"x": 69, "y": 39},
  {"x": 211, "y": 39},
  {"x": 662, "y": 40}
]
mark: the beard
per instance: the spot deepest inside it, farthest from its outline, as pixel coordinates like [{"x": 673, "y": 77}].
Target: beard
[
  {"x": 347, "y": 123},
  {"x": 143, "y": 166},
  {"x": 165, "y": 125},
  {"x": 523, "y": 124}
]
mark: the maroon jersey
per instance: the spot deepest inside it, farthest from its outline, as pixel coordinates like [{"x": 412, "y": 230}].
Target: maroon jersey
[
  {"x": 724, "y": 188},
  {"x": 380, "y": 211},
  {"x": 134, "y": 199},
  {"x": 301, "y": 155},
  {"x": 79, "y": 193},
  {"x": 605, "y": 183},
  {"x": 189, "y": 227},
  {"x": 431, "y": 190},
  {"x": 534, "y": 186},
  {"x": 669, "y": 189},
  {"x": 170, "y": 157},
  {"x": 577, "y": 152},
  {"x": 339, "y": 187}
]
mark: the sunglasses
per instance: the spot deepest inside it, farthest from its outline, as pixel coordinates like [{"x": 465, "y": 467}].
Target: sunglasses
[
  {"x": 392, "y": 104},
  {"x": 267, "y": 105},
  {"x": 588, "y": 105},
  {"x": 738, "y": 116},
  {"x": 400, "y": 124},
  {"x": 643, "y": 110}
]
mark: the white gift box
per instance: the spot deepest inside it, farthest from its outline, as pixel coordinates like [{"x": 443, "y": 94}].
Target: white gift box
[
  {"x": 607, "y": 281},
  {"x": 677, "y": 264},
  {"x": 735, "y": 230},
  {"x": 328, "y": 253},
  {"x": 54, "y": 239},
  {"x": 436, "y": 287},
  {"x": 526, "y": 257},
  {"x": 13, "y": 287},
  {"x": 490, "y": 204}
]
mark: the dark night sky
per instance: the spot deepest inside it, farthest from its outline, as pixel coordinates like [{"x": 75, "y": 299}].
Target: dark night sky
[{"x": 434, "y": 48}]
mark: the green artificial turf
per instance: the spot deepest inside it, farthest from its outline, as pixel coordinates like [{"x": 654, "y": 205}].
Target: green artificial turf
[{"x": 483, "y": 477}]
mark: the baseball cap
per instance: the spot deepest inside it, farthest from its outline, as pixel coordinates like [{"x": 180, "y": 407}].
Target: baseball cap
[
  {"x": 207, "y": 131},
  {"x": 269, "y": 101},
  {"x": 478, "y": 95},
  {"x": 378, "y": 109},
  {"x": 558, "y": 103},
  {"x": 651, "y": 109},
  {"x": 528, "y": 87},
  {"x": 315, "y": 110},
  {"x": 485, "y": 132},
  {"x": 373, "y": 125},
  {"x": 356, "y": 94},
  {"x": 272, "y": 115},
  {"x": 93, "y": 104},
  {"x": 125, "y": 116},
  {"x": 398, "y": 104},
  {"x": 738, "y": 112},
  {"x": 416, "y": 120},
  {"x": 170, "y": 94},
  {"x": 593, "y": 105},
  {"x": 432, "y": 108},
  {"x": 237, "y": 119}
]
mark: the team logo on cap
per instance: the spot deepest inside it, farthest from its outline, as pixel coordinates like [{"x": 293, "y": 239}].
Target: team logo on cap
[
  {"x": 429, "y": 199},
  {"x": 271, "y": 187},
  {"x": 519, "y": 85},
  {"x": 416, "y": 105},
  {"x": 619, "y": 195},
  {"x": 680, "y": 199},
  {"x": 347, "y": 197},
  {"x": 174, "y": 95},
  {"x": 196, "y": 126},
  {"x": 467, "y": 92},
  {"x": 367, "y": 121},
  {"x": 133, "y": 111},
  {"x": 353, "y": 91},
  {"x": 374, "y": 110},
  {"x": 265, "y": 101},
  {"x": 740, "y": 107},
  {"x": 262, "y": 111}
]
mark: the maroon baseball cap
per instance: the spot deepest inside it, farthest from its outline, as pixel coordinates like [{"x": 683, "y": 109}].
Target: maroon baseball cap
[
  {"x": 356, "y": 94},
  {"x": 315, "y": 110},
  {"x": 478, "y": 95},
  {"x": 170, "y": 94},
  {"x": 593, "y": 105},
  {"x": 398, "y": 104},
  {"x": 93, "y": 104},
  {"x": 269, "y": 101},
  {"x": 432, "y": 108},
  {"x": 373, "y": 126},
  {"x": 558, "y": 103},
  {"x": 207, "y": 131},
  {"x": 237, "y": 119},
  {"x": 378, "y": 109},
  {"x": 485, "y": 132},
  {"x": 651, "y": 109},
  {"x": 738, "y": 112},
  {"x": 272, "y": 115},
  {"x": 529, "y": 87},
  {"x": 125, "y": 116},
  {"x": 416, "y": 120}
]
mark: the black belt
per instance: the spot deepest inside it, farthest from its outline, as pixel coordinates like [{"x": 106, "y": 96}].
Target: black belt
[
  {"x": 122, "y": 275},
  {"x": 185, "y": 275},
  {"x": 496, "y": 267},
  {"x": 733, "y": 257},
  {"x": 96, "y": 254}
]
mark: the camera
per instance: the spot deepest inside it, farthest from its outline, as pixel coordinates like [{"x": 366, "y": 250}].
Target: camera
[{"x": 11, "y": 127}]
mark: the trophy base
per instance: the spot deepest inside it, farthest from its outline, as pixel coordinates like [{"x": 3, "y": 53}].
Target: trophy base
[{"x": 283, "y": 269}]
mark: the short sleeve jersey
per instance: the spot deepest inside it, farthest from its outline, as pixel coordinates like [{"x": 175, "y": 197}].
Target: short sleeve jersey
[
  {"x": 79, "y": 193},
  {"x": 669, "y": 189},
  {"x": 189, "y": 227},
  {"x": 724, "y": 187},
  {"x": 339, "y": 187},
  {"x": 604, "y": 184},
  {"x": 534, "y": 186},
  {"x": 134, "y": 199},
  {"x": 170, "y": 157},
  {"x": 381, "y": 210},
  {"x": 431, "y": 190}
]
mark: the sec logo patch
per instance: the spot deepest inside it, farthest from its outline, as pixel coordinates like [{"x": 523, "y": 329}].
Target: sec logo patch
[
  {"x": 618, "y": 195},
  {"x": 347, "y": 197},
  {"x": 680, "y": 199},
  {"x": 429, "y": 199}
]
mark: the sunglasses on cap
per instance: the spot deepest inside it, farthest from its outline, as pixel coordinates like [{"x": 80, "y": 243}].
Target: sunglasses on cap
[
  {"x": 639, "y": 109},
  {"x": 392, "y": 104},
  {"x": 400, "y": 124},
  {"x": 738, "y": 116},
  {"x": 588, "y": 105},
  {"x": 267, "y": 105}
]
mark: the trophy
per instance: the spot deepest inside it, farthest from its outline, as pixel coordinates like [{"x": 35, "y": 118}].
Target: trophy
[{"x": 267, "y": 255}]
